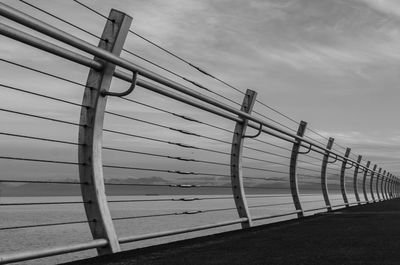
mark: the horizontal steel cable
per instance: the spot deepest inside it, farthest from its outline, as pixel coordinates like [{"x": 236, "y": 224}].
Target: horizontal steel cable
[
  {"x": 182, "y": 77},
  {"x": 326, "y": 138},
  {"x": 313, "y": 157},
  {"x": 267, "y": 188},
  {"x": 40, "y": 160},
  {"x": 274, "y": 121},
  {"x": 165, "y": 156},
  {"x": 282, "y": 180},
  {"x": 320, "y": 147},
  {"x": 44, "y": 73},
  {"x": 187, "y": 118},
  {"x": 271, "y": 144},
  {"x": 166, "y": 142},
  {"x": 167, "y": 127},
  {"x": 266, "y": 170},
  {"x": 167, "y": 171},
  {"x": 269, "y": 205},
  {"x": 184, "y": 186},
  {"x": 182, "y": 199},
  {"x": 40, "y": 117},
  {"x": 185, "y": 212},
  {"x": 280, "y": 204},
  {"x": 44, "y": 225},
  {"x": 38, "y": 138},
  {"x": 308, "y": 163},
  {"x": 40, "y": 203},
  {"x": 177, "y": 115},
  {"x": 60, "y": 19},
  {"x": 265, "y": 179},
  {"x": 264, "y": 160},
  {"x": 43, "y": 182},
  {"x": 130, "y": 52},
  {"x": 265, "y": 152},
  {"x": 278, "y": 164},
  {"x": 41, "y": 95},
  {"x": 250, "y": 148},
  {"x": 195, "y": 67},
  {"x": 142, "y": 216},
  {"x": 91, "y": 9}
]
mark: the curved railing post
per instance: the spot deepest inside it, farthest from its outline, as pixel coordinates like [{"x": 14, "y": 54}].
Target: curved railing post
[
  {"x": 382, "y": 183},
  {"x": 355, "y": 183},
  {"x": 390, "y": 186},
  {"x": 294, "y": 186},
  {"x": 365, "y": 182},
  {"x": 387, "y": 185},
  {"x": 393, "y": 186},
  {"x": 378, "y": 176},
  {"x": 90, "y": 135},
  {"x": 236, "y": 160},
  {"x": 371, "y": 181},
  {"x": 324, "y": 183},
  {"x": 343, "y": 178}
]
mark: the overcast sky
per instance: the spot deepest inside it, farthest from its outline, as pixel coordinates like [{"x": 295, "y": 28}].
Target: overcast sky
[{"x": 332, "y": 63}]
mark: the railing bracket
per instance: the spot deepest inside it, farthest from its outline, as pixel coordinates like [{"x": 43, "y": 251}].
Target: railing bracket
[
  {"x": 334, "y": 161},
  {"x": 256, "y": 135},
  {"x": 308, "y": 151},
  {"x": 125, "y": 93}
]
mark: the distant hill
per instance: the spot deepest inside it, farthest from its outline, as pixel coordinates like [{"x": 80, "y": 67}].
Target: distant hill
[{"x": 33, "y": 189}]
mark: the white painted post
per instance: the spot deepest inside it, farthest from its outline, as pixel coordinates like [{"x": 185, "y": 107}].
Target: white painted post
[
  {"x": 90, "y": 135},
  {"x": 236, "y": 160},
  {"x": 365, "y": 182},
  {"x": 378, "y": 176},
  {"x": 371, "y": 181},
  {"x": 343, "y": 178},
  {"x": 382, "y": 183},
  {"x": 355, "y": 183},
  {"x": 324, "y": 183},
  {"x": 294, "y": 187}
]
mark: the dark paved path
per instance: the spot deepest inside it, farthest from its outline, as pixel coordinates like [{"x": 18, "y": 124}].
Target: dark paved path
[{"x": 368, "y": 234}]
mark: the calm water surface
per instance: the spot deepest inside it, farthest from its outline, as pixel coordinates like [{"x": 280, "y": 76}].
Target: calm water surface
[{"x": 42, "y": 237}]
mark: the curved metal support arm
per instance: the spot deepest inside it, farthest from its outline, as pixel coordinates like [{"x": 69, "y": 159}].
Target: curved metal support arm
[
  {"x": 352, "y": 165},
  {"x": 336, "y": 159},
  {"x": 256, "y": 135},
  {"x": 125, "y": 93},
  {"x": 308, "y": 151}
]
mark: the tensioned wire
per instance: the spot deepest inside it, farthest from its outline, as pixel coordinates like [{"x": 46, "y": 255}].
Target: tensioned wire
[{"x": 86, "y": 32}]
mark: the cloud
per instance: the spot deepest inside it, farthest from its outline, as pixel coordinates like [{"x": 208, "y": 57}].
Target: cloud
[
  {"x": 315, "y": 56},
  {"x": 391, "y": 7}
]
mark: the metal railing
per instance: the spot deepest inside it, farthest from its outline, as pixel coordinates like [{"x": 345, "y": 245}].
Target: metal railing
[{"x": 256, "y": 174}]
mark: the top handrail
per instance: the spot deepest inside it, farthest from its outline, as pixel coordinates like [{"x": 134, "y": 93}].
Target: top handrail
[{"x": 71, "y": 40}]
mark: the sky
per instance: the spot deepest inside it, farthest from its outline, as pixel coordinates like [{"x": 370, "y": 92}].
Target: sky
[{"x": 331, "y": 63}]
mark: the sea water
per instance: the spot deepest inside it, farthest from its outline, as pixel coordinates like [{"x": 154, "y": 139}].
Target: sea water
[{"x": 24, "y": 239}]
